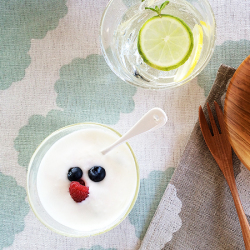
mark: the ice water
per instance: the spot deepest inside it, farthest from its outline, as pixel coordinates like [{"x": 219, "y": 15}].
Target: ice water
[{"x": 125, "y": 38}]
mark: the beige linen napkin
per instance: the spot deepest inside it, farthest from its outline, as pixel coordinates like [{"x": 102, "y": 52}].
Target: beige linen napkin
[{"x": 197, "y": 209}]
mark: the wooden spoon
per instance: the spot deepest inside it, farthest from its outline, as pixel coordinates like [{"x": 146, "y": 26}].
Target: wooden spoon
[{"x": 237, "y": 112}]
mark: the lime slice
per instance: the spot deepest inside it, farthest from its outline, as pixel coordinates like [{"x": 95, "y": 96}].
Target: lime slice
[
  {"x": 165, "y": 42},
  {"x": 187, "y": 68}
]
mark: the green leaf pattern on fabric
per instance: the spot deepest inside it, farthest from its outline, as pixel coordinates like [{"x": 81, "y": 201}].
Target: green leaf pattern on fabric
[
  {"x": 231, "y": 53},
  {"x": 82, "y": 94},
  {"x": 19, "y": 23},
  {"x": 150, "y": 194},
  {"x": 13, "y": 209}
]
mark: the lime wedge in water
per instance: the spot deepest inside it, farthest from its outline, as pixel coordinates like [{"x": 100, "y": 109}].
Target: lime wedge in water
[
  {"x": 165, "y": 42},
  {"x": 186, "y": 69}
]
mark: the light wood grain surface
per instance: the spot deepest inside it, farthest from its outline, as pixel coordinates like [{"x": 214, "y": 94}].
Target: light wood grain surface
[{"x": 237, "y": 112}]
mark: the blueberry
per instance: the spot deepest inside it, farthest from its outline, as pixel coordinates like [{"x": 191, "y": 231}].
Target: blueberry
[
  {"x": 97, "y": 173},
  {"x": 75, "y": 174}
]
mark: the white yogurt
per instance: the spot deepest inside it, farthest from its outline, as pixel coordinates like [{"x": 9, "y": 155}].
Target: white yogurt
[{"x": 108, "y": 199}]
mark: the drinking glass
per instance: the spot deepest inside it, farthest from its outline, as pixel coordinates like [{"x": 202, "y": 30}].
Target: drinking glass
[{"x": 120, "y": 25}]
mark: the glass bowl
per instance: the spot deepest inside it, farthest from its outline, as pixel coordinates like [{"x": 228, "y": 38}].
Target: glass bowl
[
  {"x": 119, "y": 29},
  {"x": 32, "y": 187}
]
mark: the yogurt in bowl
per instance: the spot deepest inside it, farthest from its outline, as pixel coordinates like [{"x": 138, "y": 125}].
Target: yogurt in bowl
[{"x": 109, "y": 200}]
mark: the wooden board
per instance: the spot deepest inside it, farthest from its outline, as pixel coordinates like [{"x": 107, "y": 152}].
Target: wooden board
[{"x": 237, "y": 112}]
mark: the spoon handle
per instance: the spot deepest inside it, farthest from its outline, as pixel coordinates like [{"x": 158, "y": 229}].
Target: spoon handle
[
  {"x": 245, "y": 228},
  {"x": 153, "y": 119}
]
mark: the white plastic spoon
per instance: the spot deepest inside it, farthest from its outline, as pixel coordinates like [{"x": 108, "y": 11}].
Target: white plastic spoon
[{"x": 153, "y": 119}]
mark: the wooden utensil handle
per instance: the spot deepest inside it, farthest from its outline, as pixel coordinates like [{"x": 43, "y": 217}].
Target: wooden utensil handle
[{"x": 245, "y": 228}]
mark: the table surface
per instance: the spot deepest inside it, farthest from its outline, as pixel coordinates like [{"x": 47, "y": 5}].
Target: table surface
[{"x": 52, "y": 74}]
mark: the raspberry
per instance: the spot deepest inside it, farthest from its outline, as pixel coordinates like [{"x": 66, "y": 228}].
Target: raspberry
[
  {"x": 81, "y": 181},
  {"x": 78, "y": 192}
]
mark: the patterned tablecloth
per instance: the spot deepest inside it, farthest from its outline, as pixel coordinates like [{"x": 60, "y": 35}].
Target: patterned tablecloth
[{"x": 52, "y": 74}]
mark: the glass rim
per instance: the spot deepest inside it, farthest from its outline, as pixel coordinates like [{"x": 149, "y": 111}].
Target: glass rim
[
  {"x": 85, "y": 233},
  {"x": 159, "y": 86}
]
